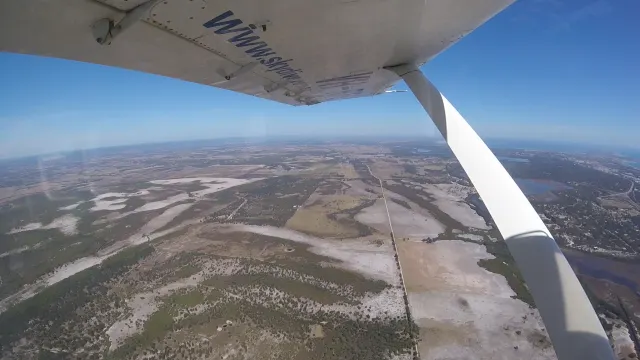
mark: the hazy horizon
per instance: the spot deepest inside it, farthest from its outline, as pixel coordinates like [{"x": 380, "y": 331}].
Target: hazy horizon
[
  {"x": 536, "y": 71},
  {"x": 494, "y": 143}
]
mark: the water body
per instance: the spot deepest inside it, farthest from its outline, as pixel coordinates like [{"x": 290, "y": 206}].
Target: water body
[
  {"x": 604, "y": 269},
  {"x": 512, "y": 159},
  {"x": 609, "y": 276},
  {"x": 538, "y": 187},
  {"x": 561, "y": 147}
]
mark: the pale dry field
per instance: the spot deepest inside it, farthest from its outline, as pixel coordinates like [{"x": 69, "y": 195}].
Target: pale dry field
[
  {"x": 465, "y": 312},
  {"x": 406, "y": 223}
]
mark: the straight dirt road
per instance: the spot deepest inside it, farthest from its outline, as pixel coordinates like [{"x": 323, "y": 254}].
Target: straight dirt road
[{"x": 397, "y": 257}]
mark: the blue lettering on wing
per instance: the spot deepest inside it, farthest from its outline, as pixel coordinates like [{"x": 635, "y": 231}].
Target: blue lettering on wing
[
  {"x": 260, "y": 51},
  {"x": 242, "y": 40},
  {"x": 224, "y": 26},
  {"x": 245, "y": 37}
]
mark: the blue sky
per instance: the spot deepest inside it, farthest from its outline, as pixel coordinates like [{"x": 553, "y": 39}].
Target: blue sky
[{"x": 542, "y": 69}]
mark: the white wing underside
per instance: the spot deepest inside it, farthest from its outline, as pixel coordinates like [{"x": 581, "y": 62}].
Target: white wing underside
[
  {"x": 312, "y": 50},
  {"x": 315, "y": 51}
]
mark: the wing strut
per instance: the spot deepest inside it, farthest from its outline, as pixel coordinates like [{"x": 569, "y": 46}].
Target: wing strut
[{"x": 573, "y": 325}]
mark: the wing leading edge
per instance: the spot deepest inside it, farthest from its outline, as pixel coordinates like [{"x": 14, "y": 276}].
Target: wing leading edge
[{"x": 291, "y": 51}]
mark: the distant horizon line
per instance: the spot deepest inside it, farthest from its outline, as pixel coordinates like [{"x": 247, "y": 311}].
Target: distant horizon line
[{"x": 493, "y": 142}]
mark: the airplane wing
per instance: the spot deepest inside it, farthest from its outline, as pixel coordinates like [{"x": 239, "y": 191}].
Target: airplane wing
[
  {"x": 298, "y": 52},
  {"x": 304, "y": 52}
]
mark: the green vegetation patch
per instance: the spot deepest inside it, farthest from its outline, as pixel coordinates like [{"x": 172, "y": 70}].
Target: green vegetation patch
[
  {"x": 505, "y": 265},
  {"x": 155, "y": 329},
  {"x": 199, "y": 209},
  {"x": 413, "y": 195},
  {"x": 127, "y": 226},
  {"x": 303, "y": 261},
  {"x": 349, "y": 339},
  {"x": 54, "y": 250},
  {"x": 267, "y": 203},
  {"x": 186, "y": 271},
  {"x": 186, "y": 300},
  {"x": 40, "y": 207},
  {"x": 190, "y": 187},
  {"x": 360, "y": 284},
  {"x": 45, "y": 312},
  {"x": 409, "y": 168},
  {"x": 132, "y": 203},
  {"x": 402, "y": 203},
  {"x": 290, "y": 286}
]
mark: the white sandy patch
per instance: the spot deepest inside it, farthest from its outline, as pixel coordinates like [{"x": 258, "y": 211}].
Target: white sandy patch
[
  {"x": 452, "y": 265},
  {"x": 67, "y": 224},
  {"x": 114, "y": 201},
  {"x": 466, "y": 312},
  {"x": 190, "y": 180},
  {"x": 415, "y": 207},
  {"x": 145, "y": 234},
  {"x": 160, "y": 204},
  {"x": 463, "y": 213},
  {"x": 450, "y": 199},
  {"x": 473, "y": 237},
  {"x": 400, "y": 357},
  {"x": 359, "y": 188},
  {"x": 148, "y": 231},
  {"x": 72, "y": 268},
  {"x": 109, "y": 205},
  {"x": 357, "y": 255},
  {"x": 70, "y": 207},
  {"x": 383, "y": 305},
  {"x": 142, "y": 306},
  {"x": 164, "y": 218},
  {"x": 213, "y": 185},
  {"x": 28, "y": 227},
  {"x": 387, "y": 304},
  {"x": 118, "y": 195},
  {"x": 406, "y": 223},
  {"x": 14, "y": 251},
  {"x": 485, "y": 328},
  {"x": 621, "y": 339}
]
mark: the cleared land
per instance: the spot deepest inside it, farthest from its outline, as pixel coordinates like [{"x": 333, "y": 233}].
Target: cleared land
[
  {"x": 464, "y": 311},
  {"x": 407, "y": 223},
  {"x": 264, "y": 251},
  {"x": 315, "y": 217}
]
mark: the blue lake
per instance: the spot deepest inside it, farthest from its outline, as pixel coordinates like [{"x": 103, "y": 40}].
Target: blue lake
[
  {"x": 512, "y": 159},
  {"x": 605, "y": 269},
  {"x": 609, "y": 276}
]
